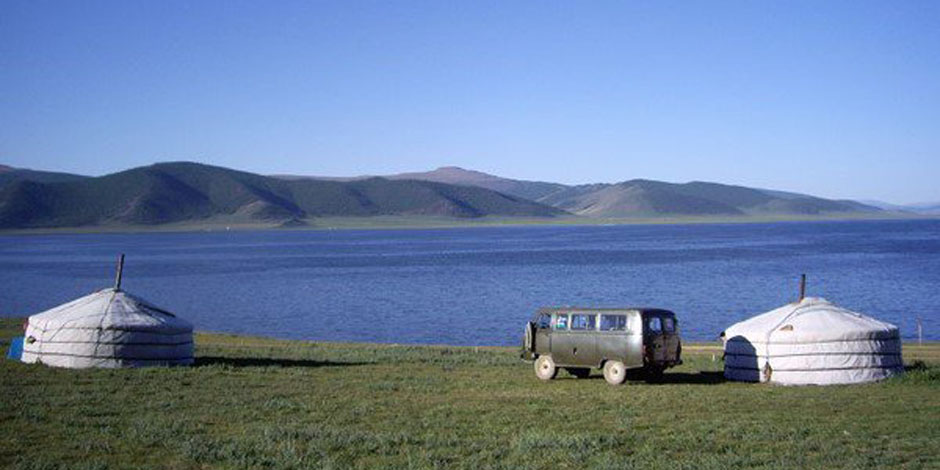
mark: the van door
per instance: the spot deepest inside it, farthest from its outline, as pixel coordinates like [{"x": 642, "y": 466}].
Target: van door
[
  {"x": 613, "y": 337},
  {"x": 584, "y": 333},
  {"x": 573, "y": 344},
  {"x": 560, "y": 342},
  {"x": 653, "y": 338},
  {"x": 670, "y": 339}
]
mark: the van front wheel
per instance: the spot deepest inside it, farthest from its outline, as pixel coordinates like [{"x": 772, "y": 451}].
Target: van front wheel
[
  {"x": 614, "y": 372},
  {"x": 545, "y": 368}
]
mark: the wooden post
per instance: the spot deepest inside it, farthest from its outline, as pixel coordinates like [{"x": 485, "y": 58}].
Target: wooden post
[
  {"x": 120, "y": 272},
  {"x": 920, "y": 332},
  {"x": 802, "y": 286}
]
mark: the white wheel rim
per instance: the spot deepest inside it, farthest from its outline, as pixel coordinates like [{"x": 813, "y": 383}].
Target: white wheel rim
[
  {"x": 545, "y": 367},
  {"x": 614, "y": 372}
]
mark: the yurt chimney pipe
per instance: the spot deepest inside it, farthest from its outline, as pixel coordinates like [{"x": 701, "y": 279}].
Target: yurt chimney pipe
[
  {"x": 802, "y": 285},
  {"x": 120, "y": 272}
]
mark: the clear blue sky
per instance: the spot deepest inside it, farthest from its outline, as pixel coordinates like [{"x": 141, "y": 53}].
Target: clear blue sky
[{"x": 838, "y": 99}]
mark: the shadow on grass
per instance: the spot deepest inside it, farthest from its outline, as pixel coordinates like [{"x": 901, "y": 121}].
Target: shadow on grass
[
  {"x": 204, "y": 361},
  {"x": 571, "y": 377},
  {"x": 668, "y": 378},
  {"x": 700, "y": 378}
]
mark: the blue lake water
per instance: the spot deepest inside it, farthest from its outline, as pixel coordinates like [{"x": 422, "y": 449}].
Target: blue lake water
[{"x": 477, "y": 286}]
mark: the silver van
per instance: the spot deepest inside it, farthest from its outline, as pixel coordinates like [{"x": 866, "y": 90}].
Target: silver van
[{"x": 614, "y": 340}]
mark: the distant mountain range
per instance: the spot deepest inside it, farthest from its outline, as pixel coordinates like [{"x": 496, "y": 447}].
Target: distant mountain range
[
  {"x": 925, "y": 208},
  {"x": 929, "y": 208},
  {"x": 181, "y": 192},
  {"x": 643, "y": 198}
]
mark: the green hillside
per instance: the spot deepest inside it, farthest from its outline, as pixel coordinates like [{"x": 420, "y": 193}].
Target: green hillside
[
  {"x": 646, "y": 198},
  {"x": 182, "y": 193},
  {"x": 532, "y": 190},
  {"x": 641, "y": 198},
  {"x": 9, "y": 175},
  {"x": 178, "y": 192}
]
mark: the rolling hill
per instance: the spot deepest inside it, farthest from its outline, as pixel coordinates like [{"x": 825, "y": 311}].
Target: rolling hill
[
  {"x": 924, "y": 208},
  {"x": 9, "y": 175},
  {"x": 532, "y": 190},
  {"x": 182, "y": 191},
  {"x": 646, "y": 198}
]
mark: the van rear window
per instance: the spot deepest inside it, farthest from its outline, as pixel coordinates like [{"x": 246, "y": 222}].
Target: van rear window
[
  {"x": 613, "y": 322},
  {"x": 582, "y": 321},
  {"x": 655, "y": 324},
  {"x": 669, "y": 325}
]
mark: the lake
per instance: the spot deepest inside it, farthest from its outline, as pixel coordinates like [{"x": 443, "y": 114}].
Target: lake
[{"x": 477, "y": 286}]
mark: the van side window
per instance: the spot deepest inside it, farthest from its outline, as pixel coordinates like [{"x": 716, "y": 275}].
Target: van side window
[
  {"x": 655, "y": 324},
  {"x": 582, "y": 321},
  {"x": 613, "y": 322},
  {"x": 561, "y": 321},
  {"x": 543, "y": 321},
  {"x": 669, "y": 325}
]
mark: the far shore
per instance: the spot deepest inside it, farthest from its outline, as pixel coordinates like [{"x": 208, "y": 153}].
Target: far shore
[{"x": 433, "y": 222}]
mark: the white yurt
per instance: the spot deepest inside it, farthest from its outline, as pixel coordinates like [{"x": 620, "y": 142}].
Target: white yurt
[
  {"x": 109, "y": 328},
  {"x": 812, "y": 342}
]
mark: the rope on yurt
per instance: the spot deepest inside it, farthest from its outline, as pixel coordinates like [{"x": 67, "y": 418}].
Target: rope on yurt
[
  {"x": 51, "y": 337},
  {"x": 799, "y": 307}
]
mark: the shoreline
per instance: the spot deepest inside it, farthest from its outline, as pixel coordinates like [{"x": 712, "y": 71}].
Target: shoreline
[
  {"x": 269, "y": 341},
  {"x": 693, "y": 346},
  {"x": 431, "y": 223}
]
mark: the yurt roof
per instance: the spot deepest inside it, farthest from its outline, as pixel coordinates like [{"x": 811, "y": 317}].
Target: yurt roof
[
  {"x": 811, "y": 320},
  {"x": 111, "y": 309}
]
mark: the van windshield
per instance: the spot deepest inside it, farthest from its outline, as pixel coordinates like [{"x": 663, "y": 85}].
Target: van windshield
[
  {"x": 654, "y": 325},
  {"x": 543, "y": 321}
]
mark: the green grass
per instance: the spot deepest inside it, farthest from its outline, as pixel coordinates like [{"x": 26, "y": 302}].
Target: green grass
[{"x": 262, "y": 403}]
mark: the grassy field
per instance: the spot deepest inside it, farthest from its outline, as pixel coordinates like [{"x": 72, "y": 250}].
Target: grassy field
[{"x": 262, "y": 403}]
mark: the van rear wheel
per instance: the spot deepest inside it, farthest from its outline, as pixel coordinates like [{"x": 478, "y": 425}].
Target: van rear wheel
[
  {"x": 615, "y": 372},
  {"x": 545, "y": 368}
]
